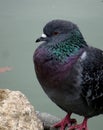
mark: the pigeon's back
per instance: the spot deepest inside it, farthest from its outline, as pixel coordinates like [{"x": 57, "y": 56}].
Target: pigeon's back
[{"x": 92, "y": 76}]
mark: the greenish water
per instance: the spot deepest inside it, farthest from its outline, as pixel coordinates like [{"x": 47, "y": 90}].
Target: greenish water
[{"x": 21, "y": 22}]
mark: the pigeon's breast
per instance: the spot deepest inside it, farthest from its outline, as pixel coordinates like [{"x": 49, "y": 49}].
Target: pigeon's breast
[
  {"x": 51, "y": 71},
  {"x": 45, "y": 67}
]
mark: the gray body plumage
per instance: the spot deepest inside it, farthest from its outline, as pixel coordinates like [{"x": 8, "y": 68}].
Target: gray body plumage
[{"x": 74, "y": 80}]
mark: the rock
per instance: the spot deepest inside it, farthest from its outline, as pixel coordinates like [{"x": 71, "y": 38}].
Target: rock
[
  {"x": 48, "y": 120},
  {"x": 16, "y": 112}
]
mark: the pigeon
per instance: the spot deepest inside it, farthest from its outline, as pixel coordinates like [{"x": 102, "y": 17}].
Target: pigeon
[{"x": 70, "y": 72}]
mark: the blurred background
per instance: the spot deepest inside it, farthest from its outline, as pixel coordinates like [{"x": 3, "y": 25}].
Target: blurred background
[{"x": 21, "y": 23}]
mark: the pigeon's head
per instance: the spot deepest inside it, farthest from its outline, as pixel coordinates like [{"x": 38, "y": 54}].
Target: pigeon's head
[{"x": 58, "y": 29}]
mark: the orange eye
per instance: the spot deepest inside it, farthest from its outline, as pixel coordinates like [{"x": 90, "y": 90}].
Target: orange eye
[{"x": 55, "y": 33}]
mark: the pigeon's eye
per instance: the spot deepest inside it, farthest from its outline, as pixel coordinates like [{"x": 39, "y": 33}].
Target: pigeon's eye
[{"x": 55, "y": 33}]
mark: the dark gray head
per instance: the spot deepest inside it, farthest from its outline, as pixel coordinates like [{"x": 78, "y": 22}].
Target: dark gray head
[{"x": 56, "y": 28}]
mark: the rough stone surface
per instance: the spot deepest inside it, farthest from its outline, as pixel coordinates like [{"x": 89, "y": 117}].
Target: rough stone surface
[
  {"x": 16, "y": 112},
  {"x": 48, "y": 120}
]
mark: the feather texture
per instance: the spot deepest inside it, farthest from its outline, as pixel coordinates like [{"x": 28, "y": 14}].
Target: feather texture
[{"x": 70, "y": 71}]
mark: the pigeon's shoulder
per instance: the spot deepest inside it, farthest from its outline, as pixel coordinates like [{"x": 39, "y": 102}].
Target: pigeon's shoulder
[{"x": 92, "y": 76}]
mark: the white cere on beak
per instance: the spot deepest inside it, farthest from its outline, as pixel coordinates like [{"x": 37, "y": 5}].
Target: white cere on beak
[{"x": 44, "y": 35}]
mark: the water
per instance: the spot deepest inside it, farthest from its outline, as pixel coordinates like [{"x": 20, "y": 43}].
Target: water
[{"x": 21, "y": 22}]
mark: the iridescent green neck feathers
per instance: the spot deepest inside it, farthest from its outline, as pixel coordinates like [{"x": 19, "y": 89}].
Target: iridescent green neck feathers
[{"x": 68, "y": 47}]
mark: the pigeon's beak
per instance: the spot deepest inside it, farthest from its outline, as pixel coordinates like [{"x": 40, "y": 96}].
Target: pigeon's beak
[{"x": 42, "y": 38}]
